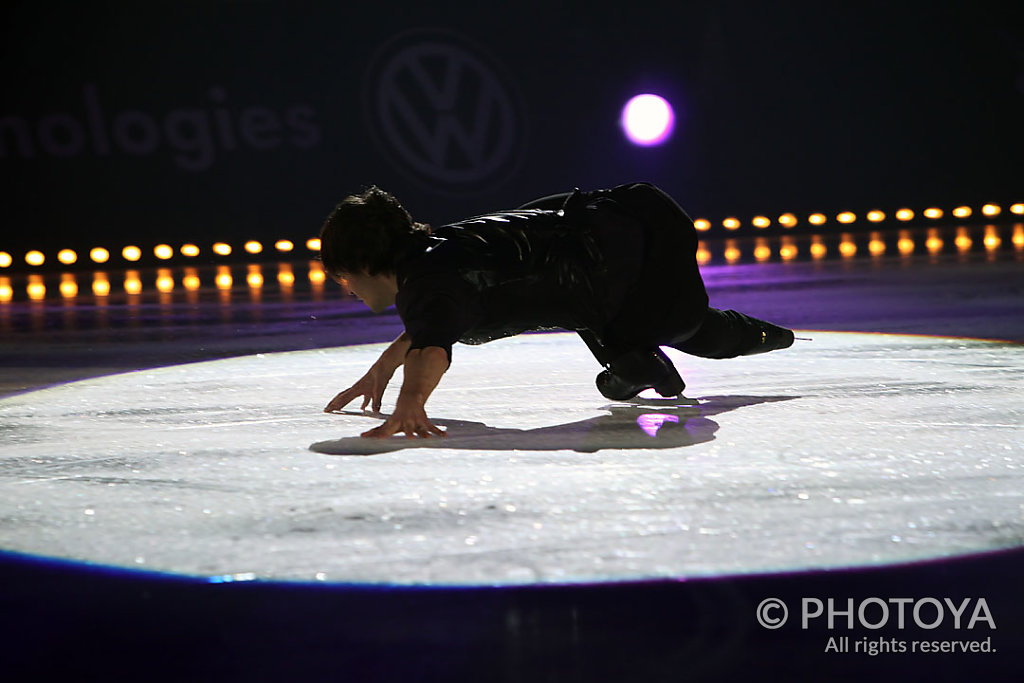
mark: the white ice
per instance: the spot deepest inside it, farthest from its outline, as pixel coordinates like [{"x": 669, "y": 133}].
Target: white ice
[{"x": 848, "y": 450}]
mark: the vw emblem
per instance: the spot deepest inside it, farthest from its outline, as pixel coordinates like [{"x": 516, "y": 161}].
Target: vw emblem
[{"x": 440, "y": 111}]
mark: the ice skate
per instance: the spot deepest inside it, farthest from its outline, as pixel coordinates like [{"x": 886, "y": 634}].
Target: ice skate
[
  {"x": 634, "y": 372},
  {"x": 773, "y": 338}
]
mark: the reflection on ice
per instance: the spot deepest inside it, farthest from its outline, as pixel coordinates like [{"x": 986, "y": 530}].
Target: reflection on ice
[{"x": 650, "y": 423}]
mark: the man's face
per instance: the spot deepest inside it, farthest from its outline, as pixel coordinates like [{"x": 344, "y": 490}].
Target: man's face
[{"x": 376, "y": 291}]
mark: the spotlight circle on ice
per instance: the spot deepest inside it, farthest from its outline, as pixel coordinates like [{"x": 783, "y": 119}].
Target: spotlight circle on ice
[
  {"x": 648, "y": 120},
  {"x": 854, "y": 450}
]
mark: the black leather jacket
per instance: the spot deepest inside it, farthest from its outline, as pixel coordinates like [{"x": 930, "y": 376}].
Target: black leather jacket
[{"x": 576, "y": 268}]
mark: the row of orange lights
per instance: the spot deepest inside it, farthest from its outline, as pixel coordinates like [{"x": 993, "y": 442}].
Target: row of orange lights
[
  {"x": 787, "y": 251},
  {"x": 164, "y": 252},
  {"x": 165, "y": 282},
  {"x": 788, "y": 220},
  {"x": 905, "y": 245}
]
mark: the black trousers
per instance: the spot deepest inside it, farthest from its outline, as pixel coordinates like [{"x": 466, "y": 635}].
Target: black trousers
[{"x": 666, "y": 303}]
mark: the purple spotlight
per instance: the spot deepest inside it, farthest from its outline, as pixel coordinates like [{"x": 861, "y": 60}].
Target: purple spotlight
[{"x": 648, "y": 120}]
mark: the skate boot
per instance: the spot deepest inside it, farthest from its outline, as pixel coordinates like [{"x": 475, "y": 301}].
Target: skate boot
[
  {"x": 634, "y": 372},
  {"x": 772, "y": 338}
]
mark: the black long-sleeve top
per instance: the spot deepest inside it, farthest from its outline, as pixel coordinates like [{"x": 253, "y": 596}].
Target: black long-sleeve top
[{"x": 508, "y": 272}]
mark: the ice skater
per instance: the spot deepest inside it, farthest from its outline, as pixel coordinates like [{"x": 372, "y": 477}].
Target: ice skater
[{"x": 616, "y": 266}]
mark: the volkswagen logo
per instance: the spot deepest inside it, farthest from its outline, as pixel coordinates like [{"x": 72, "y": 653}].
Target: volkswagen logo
[{"x": 440, "y": 110}]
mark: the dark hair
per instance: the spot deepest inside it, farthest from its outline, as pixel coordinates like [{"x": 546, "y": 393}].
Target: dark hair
[{"x": 368, "y": 232}]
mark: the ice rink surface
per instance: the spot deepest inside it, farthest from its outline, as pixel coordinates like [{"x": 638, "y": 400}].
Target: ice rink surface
[{"x": 848, "y": 450}]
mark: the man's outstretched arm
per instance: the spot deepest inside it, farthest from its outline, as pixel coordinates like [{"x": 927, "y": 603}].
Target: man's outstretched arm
[
  {"x": 423, "y": 370},
  {"x": 372, "y": 385}
]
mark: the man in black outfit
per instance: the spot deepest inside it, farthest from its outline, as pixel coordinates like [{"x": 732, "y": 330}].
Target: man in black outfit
[{"x": 616, "y": 266}]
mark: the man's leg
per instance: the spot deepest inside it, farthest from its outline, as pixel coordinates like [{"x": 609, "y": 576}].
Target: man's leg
[
  {"x": 727, "y": 334},
  {"x": 723, "y": 334},
  {"x": 667, "y": 299}
]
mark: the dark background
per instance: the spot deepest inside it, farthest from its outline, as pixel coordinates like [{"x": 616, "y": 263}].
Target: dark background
[{"x": 796, "y": 106}]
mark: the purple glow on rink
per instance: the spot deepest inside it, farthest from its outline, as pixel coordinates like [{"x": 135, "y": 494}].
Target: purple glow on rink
[
  {"x": 648, "y": 120},
  {"x": 652, "y": 422}
]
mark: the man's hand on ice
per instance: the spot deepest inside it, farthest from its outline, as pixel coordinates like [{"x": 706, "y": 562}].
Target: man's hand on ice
[
  {"x": 409, "y": 420},
  {"x": 371, "y": 387}
]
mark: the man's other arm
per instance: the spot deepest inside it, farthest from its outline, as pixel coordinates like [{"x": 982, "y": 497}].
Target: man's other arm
[{"x": 423, "y": 371}]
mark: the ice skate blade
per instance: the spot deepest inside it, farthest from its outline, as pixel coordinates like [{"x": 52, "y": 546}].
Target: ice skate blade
[{"x": 676, "y": 402}]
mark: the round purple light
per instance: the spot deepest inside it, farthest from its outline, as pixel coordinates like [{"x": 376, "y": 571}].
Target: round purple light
[{"x": 648, "y": 120}]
